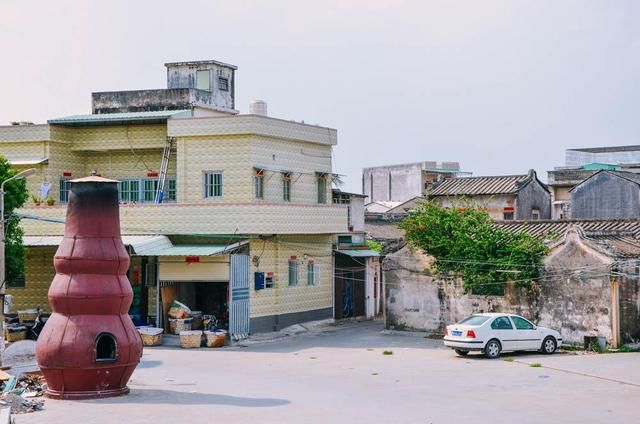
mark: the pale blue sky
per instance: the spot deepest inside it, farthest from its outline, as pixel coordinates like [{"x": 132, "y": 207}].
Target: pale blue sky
[{"x": 500, "y": 86}]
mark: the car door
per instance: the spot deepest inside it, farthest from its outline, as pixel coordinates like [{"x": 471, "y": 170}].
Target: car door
[
  {"x": 527, "y": 335},
  {"x": 502, "y": 328}
]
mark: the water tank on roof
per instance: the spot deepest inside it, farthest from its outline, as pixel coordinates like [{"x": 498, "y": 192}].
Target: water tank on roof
[{"x": 258, "y": 107}]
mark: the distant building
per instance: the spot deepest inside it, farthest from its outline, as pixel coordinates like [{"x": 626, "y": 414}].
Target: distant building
[
  {"x": 614, "y": 155},
  {"x": 399, "y": 183},
  {"x": 505, "y": 197},
  {"x": 582, "y": 163},
  {"x": 607, "y": 194}
]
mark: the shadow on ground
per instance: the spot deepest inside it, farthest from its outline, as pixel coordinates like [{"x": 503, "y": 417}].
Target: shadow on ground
[{"x": 171, "y": 397}]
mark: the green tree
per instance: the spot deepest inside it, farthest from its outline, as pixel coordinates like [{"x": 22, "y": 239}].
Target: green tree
[
  {"x": 14, "y": 197},
  {"x": 465, "y": 242}
]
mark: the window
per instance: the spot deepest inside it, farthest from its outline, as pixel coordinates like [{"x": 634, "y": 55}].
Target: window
[
  {"x": 223, "y": 84},
  {"x": 293, "y": 272},
  {"x": 144, "y": 190},
  {"x": 522, "y": 324},
  {"x": 129, "y": 191},
  {"x": 501, "y": 323},
  {"x": 507, "y": 216},
  {"x": 313, "y": 274},
  {"x": 65, "y": 185},
  {"x": 345, "y": 239},
  {"x": 213, "y": 184},
  {"x": 322, "y": 188},
  {"x": 535, "y": 214},
  {"x": 203, "y": 80},
  {"x": 474, "y": 320},
  {"x": 286, "y": 187},
  {"x": 258, "y": 183}
]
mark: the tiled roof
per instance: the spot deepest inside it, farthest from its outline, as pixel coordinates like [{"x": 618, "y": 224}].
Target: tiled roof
[
  {"x": 591, "y": 228},
  {"x": 618, "y": 238},
  {"x": 382, "y": 230},
  {"x": 469, "y": 186}
]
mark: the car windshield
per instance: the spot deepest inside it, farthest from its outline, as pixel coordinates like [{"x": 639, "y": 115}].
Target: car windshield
[{"x": 474, "y": 320}]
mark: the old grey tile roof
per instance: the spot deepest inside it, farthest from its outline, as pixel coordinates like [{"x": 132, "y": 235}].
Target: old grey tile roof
[
  {"x": 616, "y": 237},
  {"x": 383, "y": 230},
  {"x": 473, "y": 186},
  {"x": 593, "y": 227}
]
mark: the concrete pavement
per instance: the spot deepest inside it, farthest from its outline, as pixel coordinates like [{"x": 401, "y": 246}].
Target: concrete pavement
[{"x": 341, "y": 375}]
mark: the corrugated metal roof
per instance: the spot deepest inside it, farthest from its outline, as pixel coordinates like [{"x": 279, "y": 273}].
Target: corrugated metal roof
[
  {"x": 42, "y": 241},
  {"x": 26, "y": 161},
  {"x": 470, "y": 186},
  {"x": 362, "y": 253},
  {"x": 118, "y": 118}
]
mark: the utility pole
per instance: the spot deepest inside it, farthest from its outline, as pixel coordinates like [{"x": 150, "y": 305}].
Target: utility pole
[{"x": 3, "y": 262}]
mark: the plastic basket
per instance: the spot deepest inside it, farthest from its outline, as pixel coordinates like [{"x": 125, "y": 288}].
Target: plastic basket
[
  {"x": 177, "y": 325},
  {"x": 215, "y": 338},
  {"x": 190, "y": 339}
]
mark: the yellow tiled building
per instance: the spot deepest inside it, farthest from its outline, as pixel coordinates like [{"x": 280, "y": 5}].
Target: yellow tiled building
[{"x": 235, "y": 185}]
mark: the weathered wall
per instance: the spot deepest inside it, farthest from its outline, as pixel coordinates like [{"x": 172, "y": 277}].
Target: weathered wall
[
  {"x": 356, "y": 210},
  {"x": 576, "y": 304},
  {"x": 530, "y": 197},
  {"x": 494, "y": 205},
  {"x": 393, "y": 183},
  {"x": 605, "y": 196},
  {"x": 184, "y": 76}
]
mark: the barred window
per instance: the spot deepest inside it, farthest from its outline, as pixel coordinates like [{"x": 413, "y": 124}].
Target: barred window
[
  {"x": 258, "y": 183},
  {"x": 213, "y": 184},
  {"x": 322, "y": 188},
  {"x": 286, "y": 187},
  {"x": 223, "y": 84},
  {"x": 65, "y": 185},
  {"x": 129, "y": 191}
]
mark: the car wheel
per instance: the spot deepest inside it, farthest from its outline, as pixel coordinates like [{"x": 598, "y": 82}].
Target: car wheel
[
  {"x": 492, "y": 349},
  {"x": 549, "y": 345},
  {"x": 462, "y": 352}
]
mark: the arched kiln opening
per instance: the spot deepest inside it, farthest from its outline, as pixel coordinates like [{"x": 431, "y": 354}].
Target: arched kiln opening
[{"x": 106, "y": 348}]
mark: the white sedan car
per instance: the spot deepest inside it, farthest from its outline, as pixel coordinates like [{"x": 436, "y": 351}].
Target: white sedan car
[{"x": 497, "y": 332}]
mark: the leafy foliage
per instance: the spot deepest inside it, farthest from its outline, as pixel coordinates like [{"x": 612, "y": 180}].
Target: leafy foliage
[
  {"x": 14, "y": 197},
  {"x": 375, "y": 246},
  {"x": 464, "y": 242}
]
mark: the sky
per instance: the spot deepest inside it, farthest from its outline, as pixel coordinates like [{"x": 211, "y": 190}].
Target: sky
[{"x": 499, "y": 86}]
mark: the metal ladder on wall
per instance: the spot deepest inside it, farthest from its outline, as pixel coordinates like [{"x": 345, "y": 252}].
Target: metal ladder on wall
[{"x": 164, "y": 169}]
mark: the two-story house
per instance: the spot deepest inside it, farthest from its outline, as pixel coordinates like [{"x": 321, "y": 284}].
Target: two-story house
[{"x": 231, "y": 214}]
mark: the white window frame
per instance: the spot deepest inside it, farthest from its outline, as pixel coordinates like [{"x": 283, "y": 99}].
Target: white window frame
[
  {"x": 209, "y": 184},
  {"x": 313, "y": 273},
  {"x": 286, "y": 186},
  {"x": 258, "y": 184},
  {"x": 63, "y": 192},
  {"x": 293, "y": 272},
  {"x": 321, "y": 179},
  {"x": 208, "y": 79}
]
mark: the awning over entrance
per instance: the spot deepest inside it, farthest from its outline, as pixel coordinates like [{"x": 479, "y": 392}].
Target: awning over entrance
[
  {"x": 359, "y": 253},
  {"x": 149, "y": 246}
]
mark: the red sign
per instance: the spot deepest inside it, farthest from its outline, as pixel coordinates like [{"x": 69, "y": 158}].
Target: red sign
[
  {"x": 152, "y": 174},
  {"x": 508, "y": 208},
  {"x": 66, "y": 174},
  {"x": 192, "y": 259}
]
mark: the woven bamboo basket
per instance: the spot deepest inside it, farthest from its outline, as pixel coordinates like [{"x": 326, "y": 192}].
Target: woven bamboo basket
[
  {"x": 151, "y": 336},
  {"x": 178, "y": 325},
  {"x": 27, "y": 316},
  {"x": 15, "y": 334},
  {"x": 190, "y": 339},
  {"x": 215, "y": 338}
]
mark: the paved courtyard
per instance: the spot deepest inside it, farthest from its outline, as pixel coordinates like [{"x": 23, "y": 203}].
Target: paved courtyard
[{"x": 342, "y": 376}]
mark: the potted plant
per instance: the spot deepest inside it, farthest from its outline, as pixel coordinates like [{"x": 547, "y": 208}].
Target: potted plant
[
  {"x": 51, "y": 201},
  {"x": 37, "y": 200}
]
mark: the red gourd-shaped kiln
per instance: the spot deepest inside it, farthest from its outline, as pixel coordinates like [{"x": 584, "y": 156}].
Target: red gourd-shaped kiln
[{"x": 89, "y": 347}]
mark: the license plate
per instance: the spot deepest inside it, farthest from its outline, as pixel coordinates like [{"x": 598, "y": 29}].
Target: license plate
[{"x": 456, "y": 333}]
